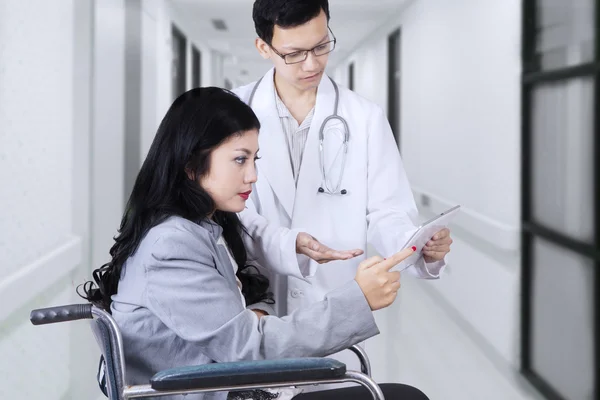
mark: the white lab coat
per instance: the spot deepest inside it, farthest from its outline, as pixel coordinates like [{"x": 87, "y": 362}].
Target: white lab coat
[{"x": 379, "y": 207}]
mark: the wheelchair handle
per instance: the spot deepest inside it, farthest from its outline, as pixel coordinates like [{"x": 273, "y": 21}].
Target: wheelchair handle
[{"x": 52, "y": 315}]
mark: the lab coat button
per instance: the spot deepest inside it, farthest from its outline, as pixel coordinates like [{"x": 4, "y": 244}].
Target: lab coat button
[{"x": 296, "y": 293}]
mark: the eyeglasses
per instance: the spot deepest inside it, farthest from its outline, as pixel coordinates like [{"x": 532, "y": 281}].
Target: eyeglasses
[{"x": 301, "y": 55}]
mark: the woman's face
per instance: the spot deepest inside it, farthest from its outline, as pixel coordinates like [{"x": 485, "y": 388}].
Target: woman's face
[{"x": 232, "y": 171}]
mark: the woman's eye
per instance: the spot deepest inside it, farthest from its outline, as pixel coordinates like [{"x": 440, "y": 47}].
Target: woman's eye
[
  {"x": 241, "y": 160},
  {"x": 256, "y": 158}
]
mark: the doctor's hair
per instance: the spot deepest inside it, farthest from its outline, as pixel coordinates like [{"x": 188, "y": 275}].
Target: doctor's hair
[
  {"x": 285, "y": 13},
  {"x": 167, "y": 185}
]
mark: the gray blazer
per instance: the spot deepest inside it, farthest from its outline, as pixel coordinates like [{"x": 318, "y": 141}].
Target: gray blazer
[{"x": 178, "y": 305}]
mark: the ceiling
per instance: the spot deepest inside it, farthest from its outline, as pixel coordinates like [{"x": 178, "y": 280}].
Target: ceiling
[{"x": 351, "y": 21}]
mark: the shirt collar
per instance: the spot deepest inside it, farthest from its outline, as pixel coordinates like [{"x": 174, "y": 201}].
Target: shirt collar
[{"x": 284, "y": 112}]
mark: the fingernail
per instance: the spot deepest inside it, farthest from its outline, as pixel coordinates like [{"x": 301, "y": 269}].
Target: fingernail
[
  {"x": 414, "y": 248},
  {"x": 384, "y": 259}
]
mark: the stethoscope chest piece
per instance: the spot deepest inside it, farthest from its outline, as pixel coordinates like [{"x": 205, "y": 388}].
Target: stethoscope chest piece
[{"x": 345, "y": 131}]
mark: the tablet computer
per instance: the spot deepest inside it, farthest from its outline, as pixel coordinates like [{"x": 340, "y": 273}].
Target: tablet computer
[{"x": 424, "y": 233}]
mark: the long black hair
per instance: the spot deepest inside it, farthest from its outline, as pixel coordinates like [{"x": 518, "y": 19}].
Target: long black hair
[{"x": 167, "y": 185}]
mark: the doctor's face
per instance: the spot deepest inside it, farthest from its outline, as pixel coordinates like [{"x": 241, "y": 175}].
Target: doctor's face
[
  {"x": 307, "y": 74},
  {"x": 232, "y": 171}
]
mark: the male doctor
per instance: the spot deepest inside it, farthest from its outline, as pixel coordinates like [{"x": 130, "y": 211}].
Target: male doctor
[{"x": 359, "y": 196}]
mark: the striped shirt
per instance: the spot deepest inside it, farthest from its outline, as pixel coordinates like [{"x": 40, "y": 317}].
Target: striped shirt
[{"x": 295, "y": 134}]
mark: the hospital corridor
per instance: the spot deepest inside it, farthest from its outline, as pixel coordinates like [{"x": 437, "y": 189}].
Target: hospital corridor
[{"x": 493, "y": 106}]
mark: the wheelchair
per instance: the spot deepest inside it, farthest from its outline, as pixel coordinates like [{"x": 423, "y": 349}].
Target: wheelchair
[{"x": 216, "y": 377}]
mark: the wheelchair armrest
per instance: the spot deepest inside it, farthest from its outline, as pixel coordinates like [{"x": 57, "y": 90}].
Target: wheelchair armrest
[{"x": 248, "y": 372}]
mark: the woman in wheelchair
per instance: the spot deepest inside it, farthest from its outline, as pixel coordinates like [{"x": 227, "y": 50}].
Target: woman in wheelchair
[{"x": 179, "y": 283}]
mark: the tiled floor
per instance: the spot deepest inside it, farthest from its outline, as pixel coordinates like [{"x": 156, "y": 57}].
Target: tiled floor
[{"x": 432, "y": 353}]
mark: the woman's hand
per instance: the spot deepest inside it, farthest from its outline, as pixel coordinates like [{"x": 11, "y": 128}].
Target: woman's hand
[
  {"x": 312, "y": 248},
  {"x": 379, "y": 284}
]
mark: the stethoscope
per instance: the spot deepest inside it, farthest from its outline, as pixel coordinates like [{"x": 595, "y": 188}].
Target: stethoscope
[{"x": 324, "y": 188}]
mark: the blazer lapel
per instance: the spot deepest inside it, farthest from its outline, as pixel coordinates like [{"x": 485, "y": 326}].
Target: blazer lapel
[
  {"x": 225, "y": 268},
  {"x": 223, "y": 264}
]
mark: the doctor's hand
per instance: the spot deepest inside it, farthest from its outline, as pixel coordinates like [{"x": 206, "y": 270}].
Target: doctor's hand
[
  {"x": 312, "y": 248},
  {"x": 437, "y": 248},
  {"x": 379, "y": 284}
]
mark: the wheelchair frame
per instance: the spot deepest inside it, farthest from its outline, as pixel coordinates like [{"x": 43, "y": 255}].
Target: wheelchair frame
[{"x": 216, "y": 377}]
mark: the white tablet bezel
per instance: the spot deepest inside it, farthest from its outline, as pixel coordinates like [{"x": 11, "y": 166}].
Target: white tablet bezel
[{"x": 424, "y": 233}]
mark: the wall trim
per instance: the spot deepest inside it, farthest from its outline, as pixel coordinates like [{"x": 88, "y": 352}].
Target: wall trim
[
  {"x": 497, "y": 234},
  {"x": 26, "y": 284}
]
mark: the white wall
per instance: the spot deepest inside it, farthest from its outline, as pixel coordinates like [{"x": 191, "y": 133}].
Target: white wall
[
  {"x": 39, "y": 242},
  {"x": 108, "y": 126},
  {"x": 460, "y": 140},
  {"x": 158, "y": 17},
  {"x": 151, "y": 69},
  {"x": 36, "y": 133},
  {"x": 84, "y": 356},
  {"x": 370, "y": 69}
]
